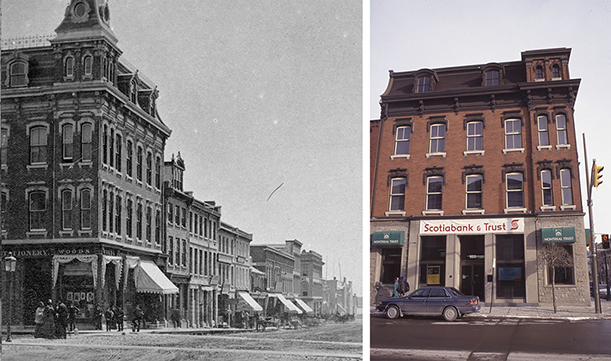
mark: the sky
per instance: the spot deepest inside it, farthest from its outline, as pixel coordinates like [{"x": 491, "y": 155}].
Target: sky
[
  {"x": 411, "y": 35},
  {"x": 265, "y": 103}
]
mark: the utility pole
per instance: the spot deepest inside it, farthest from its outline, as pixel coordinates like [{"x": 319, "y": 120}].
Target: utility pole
[{"x": 594, "y": 261}]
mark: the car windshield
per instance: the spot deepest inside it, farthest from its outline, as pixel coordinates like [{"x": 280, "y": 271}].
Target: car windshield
[{"x": 455, "y": 292}]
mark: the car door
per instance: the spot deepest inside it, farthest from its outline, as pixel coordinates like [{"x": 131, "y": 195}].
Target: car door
[
  {"x": 415, "y": 304},
  {"x": 438, "y": 299}
]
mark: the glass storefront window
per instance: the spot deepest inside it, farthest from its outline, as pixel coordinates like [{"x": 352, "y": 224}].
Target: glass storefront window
[
  {"x": 510, "y": 266},
  {"x": 432, "y": 260}
]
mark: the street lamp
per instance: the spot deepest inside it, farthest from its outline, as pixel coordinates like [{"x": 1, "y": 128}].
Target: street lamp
[{"x": 10, "y": 263}]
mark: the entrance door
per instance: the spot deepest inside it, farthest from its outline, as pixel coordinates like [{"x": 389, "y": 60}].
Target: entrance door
[{"x": 472, "y": 280}]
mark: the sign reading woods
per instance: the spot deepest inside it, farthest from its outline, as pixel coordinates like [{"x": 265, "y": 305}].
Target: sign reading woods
[{"x": 472, "y": 226}]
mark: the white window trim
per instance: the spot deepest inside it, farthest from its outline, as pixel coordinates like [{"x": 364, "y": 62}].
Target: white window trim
[
  {"x": 568, "y": 206},
  {"x": 395, "y": 156},
  {"x": 440, "y": 154},
  {"x": 542, "y": 79},
  {"x": 548, "y": 147},
  {"x": 514, "y": 210},
  {"x": 554, "y": 79},
  {"x": 548, "y": 208},
  {"x": 395, "y": 213},
  {"x": 473, "y": 211},
  {"x": 469, "y": 152},
  {"x": 506, "y": 150},
  {"x": 567, "y": 146},
  {"x": 432, "y": 212}
]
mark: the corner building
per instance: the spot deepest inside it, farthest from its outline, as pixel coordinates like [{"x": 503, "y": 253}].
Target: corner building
[
  {"x": 473, "y": 169},
  {"x": 81, "y": 159}
]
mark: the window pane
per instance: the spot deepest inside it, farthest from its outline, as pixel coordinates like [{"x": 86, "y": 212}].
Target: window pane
[
  {"x": 398, "y": 186},
  {"x": 474, "y": 200},
  {"x": 435, "y": 184},
  {"x": 514, "y": 181},
  {"x": 474, "y": 183},
  {"x": 434, "y": 201}
]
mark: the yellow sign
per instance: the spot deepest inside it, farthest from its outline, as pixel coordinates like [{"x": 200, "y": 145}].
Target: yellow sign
[{"x": 432, "y": 275}]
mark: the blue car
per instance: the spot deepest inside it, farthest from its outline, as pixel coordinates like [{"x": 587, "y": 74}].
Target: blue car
[{"x": 431, "y": 301}]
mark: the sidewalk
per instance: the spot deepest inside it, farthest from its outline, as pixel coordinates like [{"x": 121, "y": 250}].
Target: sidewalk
[
  {"x": 20, "y": 330},
  {"x": 542, "y": 311}
]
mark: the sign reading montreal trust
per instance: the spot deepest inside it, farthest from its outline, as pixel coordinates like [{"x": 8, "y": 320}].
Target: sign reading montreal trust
[
  {"x": 558, "y": 234},
  {"x": 472, "y": 226}
]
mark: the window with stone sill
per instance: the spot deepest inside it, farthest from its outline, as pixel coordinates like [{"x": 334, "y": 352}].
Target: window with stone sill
[
  {"x": 397, "y": 194},
  {"x": 402, "y": 139},
  {"x": 543, "y": 131},
  {"x": 566, "y": 187},
  {"x": 514, "y": 187},
  {"x": 561, "y": 130},
  {"x": 475, "y": 137},
  {"x": 434, "y": 190},
  {"x": 546, "y": 188}
]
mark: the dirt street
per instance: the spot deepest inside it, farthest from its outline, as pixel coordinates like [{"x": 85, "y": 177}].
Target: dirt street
[{"x": 327, "y": 342}]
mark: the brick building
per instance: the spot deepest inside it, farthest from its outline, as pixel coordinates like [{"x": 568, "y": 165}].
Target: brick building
[
  {"x": 82, "y": 149},
  {"x": 473, "y": 169}
]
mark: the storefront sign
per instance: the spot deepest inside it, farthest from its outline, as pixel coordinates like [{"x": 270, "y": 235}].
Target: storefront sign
[
  {"x": 558, "y": 234},
  {"x": 388, "y": 238},
  {"x": 433, "y": 275},
  {"x": 472, "y": 226}
]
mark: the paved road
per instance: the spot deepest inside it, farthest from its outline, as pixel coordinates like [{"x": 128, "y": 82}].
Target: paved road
[{"x": 414, "y": 338}]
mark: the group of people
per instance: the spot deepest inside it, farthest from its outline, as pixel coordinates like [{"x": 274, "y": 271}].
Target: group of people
[
  {"x": 53, "y": 321},
  {"x": 400, "y": 288},
  {"x": 114, "y": 317}
]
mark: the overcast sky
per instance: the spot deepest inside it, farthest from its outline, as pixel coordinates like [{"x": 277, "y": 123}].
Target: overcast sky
[
  {"x": 410, "y": 35},
  {"x": 259, "y": 95}
]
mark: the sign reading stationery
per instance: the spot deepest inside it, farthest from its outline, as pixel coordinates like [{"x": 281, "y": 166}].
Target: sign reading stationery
[
  {"x": 388, "y": 238},
  {"x": 558, "y": 234}
]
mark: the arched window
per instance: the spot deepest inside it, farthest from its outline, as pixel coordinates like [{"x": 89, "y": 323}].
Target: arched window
[
  {"x": 88, "y": 65},
  {"x": 546, "y": 187},
  {"x": 118, "y": 152},
  {"x": 86, "y": 142},
  {"x": 492, "y": 78},
  {"x": 69, "y": 67},
  {"x": 86, "y": 209},
  {"x": 566, "y": 187},
  {"x": 4, "y": 146},
  {"x": 66, "y": 209},
  {"x": 539, "y": 72},
  {"x": 18, "y": 74},
  {"x": 67, "y": 141},
  {"x": 129, "y": 158},
  {"x": 555, "y": 71}
]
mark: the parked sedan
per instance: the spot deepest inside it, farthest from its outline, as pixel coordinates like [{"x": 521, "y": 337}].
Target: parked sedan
[{"x": 432, "y": 301}]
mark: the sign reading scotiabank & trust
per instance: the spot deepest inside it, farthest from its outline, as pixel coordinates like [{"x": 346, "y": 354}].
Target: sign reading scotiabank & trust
[{"x": 472, "y": 226}]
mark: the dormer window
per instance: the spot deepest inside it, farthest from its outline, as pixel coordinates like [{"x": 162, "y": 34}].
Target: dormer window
[
  {"x": 425, "y": 80},
  {"x": 18, "y": 74},
  {"x": 424, "y": 84},
  {"x": 133, "y": 93},
  {"x": 492, "y": 78}
]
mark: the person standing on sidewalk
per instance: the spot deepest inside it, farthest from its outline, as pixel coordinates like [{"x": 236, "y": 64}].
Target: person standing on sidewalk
[
  {"x": 62, "y": 319},
  {"x": 119, "y": 315},
  {"x": 138, "y": 315},
  {"x": 395, "y": 288},
  {"x": 39, "y": 319},
  {"x": 109, "y": 315},
  {"x": 403, "y": 286},
  {"x": 72, "y": 312},
  {"x": 48, "y": 321}
]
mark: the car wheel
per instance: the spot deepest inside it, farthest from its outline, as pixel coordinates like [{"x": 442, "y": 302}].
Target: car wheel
[
  {"x": 392, "y": 312},
  {"x": 450, "y": 313}
]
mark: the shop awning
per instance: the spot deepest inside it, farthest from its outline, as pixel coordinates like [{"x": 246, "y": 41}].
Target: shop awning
[
  {"x": 150, "y": 279},
  {"x": 304, "y": 306},
  {"x": 251, "y": 301},
  {"x": 290, "y": 305}
]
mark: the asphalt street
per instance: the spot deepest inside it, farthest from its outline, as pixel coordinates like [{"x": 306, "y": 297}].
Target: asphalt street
[{"x": 420, "y": 338}]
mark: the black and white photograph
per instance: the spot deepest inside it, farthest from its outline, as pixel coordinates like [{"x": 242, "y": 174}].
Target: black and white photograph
[{"x": 182, "y": 180}]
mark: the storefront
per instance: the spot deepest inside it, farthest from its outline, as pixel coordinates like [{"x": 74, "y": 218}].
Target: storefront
[{"x": 498, "y": 259}]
